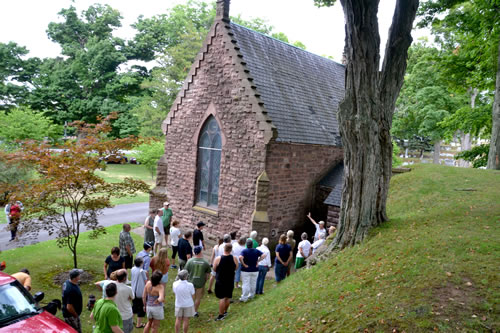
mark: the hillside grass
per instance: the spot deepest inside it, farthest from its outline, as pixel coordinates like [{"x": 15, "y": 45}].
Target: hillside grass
[
  {"x": 115, "y": 173},
  {"x": 432, "y": 267}
]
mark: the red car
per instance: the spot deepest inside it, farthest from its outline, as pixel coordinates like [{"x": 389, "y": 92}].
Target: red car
[{"x": 18, "y": 312}]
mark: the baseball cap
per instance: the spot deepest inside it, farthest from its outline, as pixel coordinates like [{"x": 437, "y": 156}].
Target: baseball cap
[
  {"x": 148, "y": 245},
  {"x": 201, "y": 224}
]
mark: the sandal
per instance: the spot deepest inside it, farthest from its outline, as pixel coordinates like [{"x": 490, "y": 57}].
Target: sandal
[{"x": 142, "y": 326}]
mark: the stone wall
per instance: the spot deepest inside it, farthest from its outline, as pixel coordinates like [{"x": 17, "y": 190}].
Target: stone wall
[
  {"x": 294, "y": 170},
  {"x": 214, "y": 88}
]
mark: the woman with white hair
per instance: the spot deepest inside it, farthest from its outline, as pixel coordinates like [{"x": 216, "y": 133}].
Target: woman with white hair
[
  {"x": 184, "y": 304},
  {"x": 264, "y": 266},
  {"x": 253, "y": 237},
  {"x": 304, "y": 251}
]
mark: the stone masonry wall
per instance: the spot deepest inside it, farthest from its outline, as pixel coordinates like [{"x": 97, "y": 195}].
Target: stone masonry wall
[
  {"x": 333, "y": 216},
  {"x": 215, "y": 89},
  {"x": 294, "y": 170}
]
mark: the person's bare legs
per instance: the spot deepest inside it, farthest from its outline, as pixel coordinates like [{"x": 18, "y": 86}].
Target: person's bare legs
[
  {"x": 198, "y": 294},
  {"x": 186, "y": 324},
  {"x": 148, "y": 326},
  {"x": 222, "y": 306},
  {"x": 211, "y": 282},
  {"x": 178, "y": 321},
  {"x": 139, "y": 322},
  {"x": 156, "y": 326}
]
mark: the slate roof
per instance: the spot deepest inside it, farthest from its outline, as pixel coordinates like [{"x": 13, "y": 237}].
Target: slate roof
[
  {"x": 334, "y": 179},
  {"x": 301, "y": 91}
]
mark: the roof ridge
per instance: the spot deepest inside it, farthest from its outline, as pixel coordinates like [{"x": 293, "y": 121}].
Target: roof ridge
[{"x": 298, "y": 48}]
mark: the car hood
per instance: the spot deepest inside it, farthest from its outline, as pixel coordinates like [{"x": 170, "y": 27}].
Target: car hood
[{"x": 41, "y": 323}]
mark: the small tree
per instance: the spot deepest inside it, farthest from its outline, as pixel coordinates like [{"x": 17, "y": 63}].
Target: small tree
[
  {"x": 148, "y": 154},
  {"x": 68, "y": 195}
]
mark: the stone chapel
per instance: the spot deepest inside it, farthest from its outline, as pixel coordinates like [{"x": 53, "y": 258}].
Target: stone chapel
[{"x": 252, "y": 140}]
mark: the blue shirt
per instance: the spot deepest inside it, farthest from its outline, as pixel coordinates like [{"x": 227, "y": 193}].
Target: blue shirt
[
  {"x": 250, "y": 257},
  {"x": 284, "y": 251}
]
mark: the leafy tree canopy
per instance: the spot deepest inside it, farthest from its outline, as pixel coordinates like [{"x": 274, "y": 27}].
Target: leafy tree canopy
[{"x": 26, "y": 124}]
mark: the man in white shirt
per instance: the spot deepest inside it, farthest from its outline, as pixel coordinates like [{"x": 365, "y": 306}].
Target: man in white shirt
[
  {"x": 318, "y": 243},
  {"x": 184, "y": 304},
  {"x": 123, "y": 300},
  {"x": 158, "y": 230},
  {"x": 303, "y": 252},
  {"x": 320, "y": 228}
]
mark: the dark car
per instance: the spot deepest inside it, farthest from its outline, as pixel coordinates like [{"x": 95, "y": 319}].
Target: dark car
[
  {"x": 115, "y": 159},
  {"x": 19, "y": 312}
]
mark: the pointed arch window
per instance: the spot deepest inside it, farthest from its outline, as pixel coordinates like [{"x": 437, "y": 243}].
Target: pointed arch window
[{"x": 208, "y": 169}]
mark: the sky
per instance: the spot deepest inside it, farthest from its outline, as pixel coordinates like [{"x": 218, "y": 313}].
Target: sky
[{"x": 320, "y": 29}]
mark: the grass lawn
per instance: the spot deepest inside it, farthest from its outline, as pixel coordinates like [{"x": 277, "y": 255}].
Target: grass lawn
[
  {"x": 116, "y": 173},
  {"x": 432, "y": 267}
]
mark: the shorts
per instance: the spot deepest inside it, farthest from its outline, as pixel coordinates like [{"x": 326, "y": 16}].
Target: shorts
[
  {"x": 155, "y": 312},
  {"x": 213, "y": 273},
  {"x": 164, "y": 278},
  {"x": 167, "y": 229},
  {"x": 224, "y": 290},
  {"x": 138, "y": 307},
  {"x": 159, "y": 238},
  {"x": 299, "y": 262},
  {"x": 128, "y": 325},
  {"x": 128, "y": 261},
  {"x": 74, "y": 322},
  {"x": 182, "y": 263},
  {"x": 174, "y": 251},
  {"x": 237, "y": 275},
  {"x": 184, "y": 312}
]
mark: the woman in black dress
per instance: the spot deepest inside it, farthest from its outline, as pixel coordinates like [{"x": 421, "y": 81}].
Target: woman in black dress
[{"x": 224, "y": 267}]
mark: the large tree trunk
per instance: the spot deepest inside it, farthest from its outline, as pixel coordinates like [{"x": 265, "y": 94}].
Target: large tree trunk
[
  {"x": 365, "y": 115},
  {"x": 494, "y": 153}
]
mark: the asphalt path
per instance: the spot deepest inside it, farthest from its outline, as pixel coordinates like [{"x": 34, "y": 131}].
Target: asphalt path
[{"x": 135, "y": 212}]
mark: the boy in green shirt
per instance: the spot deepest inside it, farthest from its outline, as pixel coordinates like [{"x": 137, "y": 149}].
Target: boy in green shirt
[
  {"x": 199, "y": 271},
  {"x": 106, "y": 314},
  {"x": 166, "y": 218}
]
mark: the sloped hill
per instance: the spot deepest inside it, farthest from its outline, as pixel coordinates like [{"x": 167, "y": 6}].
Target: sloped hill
[{"x": 434, "y": 267}]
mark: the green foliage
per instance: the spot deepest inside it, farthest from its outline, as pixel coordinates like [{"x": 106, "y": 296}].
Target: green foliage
[
  {"x": 478, "y": 155},
  {"x": 425, "y": 100},
  {"x": 15, "y": 73},
  {"x": 149, "y": 154},
  {"x": 26, "y": 124},
  {"x": 396, "y": 161}
]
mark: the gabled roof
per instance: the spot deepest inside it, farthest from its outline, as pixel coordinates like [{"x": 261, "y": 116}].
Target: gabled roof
[
  {"x": 301, "y": 91},
  {"x": 334, "y": 180}
]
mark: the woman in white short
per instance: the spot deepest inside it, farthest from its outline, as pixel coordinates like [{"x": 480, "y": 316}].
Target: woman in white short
[{"x": 153, "y": 297}]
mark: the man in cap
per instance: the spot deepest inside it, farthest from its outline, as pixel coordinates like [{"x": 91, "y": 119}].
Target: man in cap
[
  {"x": 144, "y": 255},
  {"x": 72, "y": 301},
  {"x": 320, "y": 228},
  {"x": 198, "y": 235},
  {"x": 199, "y": 270},
  {"x": 166, "y": 218}
]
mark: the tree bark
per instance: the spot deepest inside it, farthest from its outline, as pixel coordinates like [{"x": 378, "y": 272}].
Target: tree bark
[
  {"x": 437, "y": 152},
  {"x": 365, "y": 115},
  {"x": 494, "y": 153}
]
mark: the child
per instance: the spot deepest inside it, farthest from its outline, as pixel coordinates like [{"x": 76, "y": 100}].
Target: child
[
  {"x": 139, "y": 280},
  {"x": 175, "y": 232}
]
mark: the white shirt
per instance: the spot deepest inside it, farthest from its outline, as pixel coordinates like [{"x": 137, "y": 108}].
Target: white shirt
[
  {"x": 123, "y": 299},
  {"x": 139, "y": 279},
  {"x": 174, "y": 236},
  {"x": 267, "y": 260},
  {"x": 184, "y": 292},
  {"x": 158, "y": 223},
  {"x": 305, "y": 245},
  {"x": 318, "y": 232},
  {"x": 317, "y": 244},
  {"x": 237, "y": 248}
]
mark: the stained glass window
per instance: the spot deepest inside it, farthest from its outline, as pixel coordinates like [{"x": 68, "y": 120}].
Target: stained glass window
[{"x": 209, "y": 155}]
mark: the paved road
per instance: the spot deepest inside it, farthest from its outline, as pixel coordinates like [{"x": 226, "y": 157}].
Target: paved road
[{"x": 135, "y": 212}]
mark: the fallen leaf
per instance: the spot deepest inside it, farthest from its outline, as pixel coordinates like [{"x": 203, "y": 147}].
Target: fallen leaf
[{"x": 448, "y": 273}]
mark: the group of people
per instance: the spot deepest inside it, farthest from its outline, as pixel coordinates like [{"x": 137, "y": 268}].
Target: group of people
[{"x": 234, "y": 263}]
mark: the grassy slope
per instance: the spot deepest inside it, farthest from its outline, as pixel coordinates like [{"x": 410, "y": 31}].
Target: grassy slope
[
  {"x": 116, "y": 173},
  {"x": 433, "y": 266}
]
